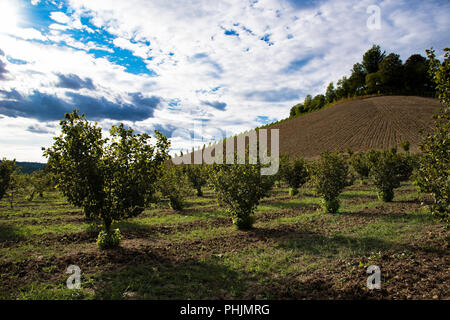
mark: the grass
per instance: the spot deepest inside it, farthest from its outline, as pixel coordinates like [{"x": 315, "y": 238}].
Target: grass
[{"x": 198, "y": 254}]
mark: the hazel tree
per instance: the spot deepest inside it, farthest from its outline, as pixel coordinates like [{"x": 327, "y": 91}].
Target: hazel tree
[{"x": 111, "y": 179}]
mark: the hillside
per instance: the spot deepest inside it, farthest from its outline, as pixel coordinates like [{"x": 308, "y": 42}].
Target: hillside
[
  {"x": 29, "y": 167},
  {"x": 378, "y": 123}
]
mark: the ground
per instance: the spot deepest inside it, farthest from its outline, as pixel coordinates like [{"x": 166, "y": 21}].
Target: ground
[
  {"x": 361, "y": 124},
  {"x": 295, "y": 250}
]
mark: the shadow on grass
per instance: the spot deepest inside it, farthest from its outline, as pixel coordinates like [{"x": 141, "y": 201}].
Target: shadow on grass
[
  {"x": 131, "y": 229},
  {"x": 320, "y": 244},
  {"x": 356, "y": 195},
  {"x": 391, "y": 216},
  {"x": 210, "y": 212},
  {"x": 162, "y": 277},
  {"x": 10, "y": 233},
  {"x": 295, "y": 204}
]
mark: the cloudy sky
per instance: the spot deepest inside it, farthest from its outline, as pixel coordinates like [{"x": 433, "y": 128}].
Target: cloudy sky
[{"x": 186, "y": 66}]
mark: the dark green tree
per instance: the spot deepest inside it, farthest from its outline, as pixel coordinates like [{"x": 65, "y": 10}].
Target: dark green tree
[
  {"x": 330, "y": 95},
  {"x": 373, "y": 83},
  {"x": 372, "y": 58},
  {"x": 391, "y": 73},
  {"x": 343, "y": 88},
  {"x": 357, "y": 79},
  {"x": 417, "y": 79},
  {"x": 293, "y": 112},
  {"x": 307, "y": 102},
  {"x": 317, "y": 102}
]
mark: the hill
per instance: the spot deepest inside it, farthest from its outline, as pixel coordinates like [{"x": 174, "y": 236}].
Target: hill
[
  {"x": 29, "y": 167},
  {"x": 378, "y": 123}
]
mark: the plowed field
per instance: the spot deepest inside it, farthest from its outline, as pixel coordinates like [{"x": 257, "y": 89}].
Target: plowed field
[{"x": 373, "y": 123}]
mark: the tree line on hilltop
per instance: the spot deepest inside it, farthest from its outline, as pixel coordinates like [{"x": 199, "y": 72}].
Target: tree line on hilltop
[{"x": 377, "y": 73}]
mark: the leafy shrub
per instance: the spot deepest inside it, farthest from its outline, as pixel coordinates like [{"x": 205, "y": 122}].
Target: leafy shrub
[
  {"x": 111, "y": 179},
  {"x": 174, "y": 185},
  {"x": 6, "y": 170},
  {"x": 109, "y": 239},
  {"x": 329, "y": 176},
  {"x": 239, "y": 188},
  {"x": 294, "y": 173},
  {"x": 405, "y": 145},
  {"x": 389, "y": 169},
  {"x": 17, "y": 185},
  {"x": 360, "y": 164},
  {"x": 433, "y": 174},
  {"x": 39, "y": 181},
  {"x": 197, "y": 175}
]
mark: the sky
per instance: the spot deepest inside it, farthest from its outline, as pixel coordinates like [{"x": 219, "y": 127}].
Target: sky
[{"x": 196, "y": 70}]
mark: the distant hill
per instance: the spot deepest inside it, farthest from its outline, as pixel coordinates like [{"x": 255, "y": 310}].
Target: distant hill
[
  {"x": 29, "y": 167},
  {"x": 378, "y": 123}
]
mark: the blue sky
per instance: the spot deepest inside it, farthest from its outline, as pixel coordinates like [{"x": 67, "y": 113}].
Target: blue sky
[{"x": 186, "y": 66}]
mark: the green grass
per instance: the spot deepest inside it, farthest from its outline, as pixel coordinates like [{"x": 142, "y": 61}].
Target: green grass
[{"x": 297, "y": 240}]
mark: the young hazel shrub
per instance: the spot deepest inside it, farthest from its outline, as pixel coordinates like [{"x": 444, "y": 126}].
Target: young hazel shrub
[
  {"x": 389, "y": 169},
  {"x": 239, "y": 187},
  {"x": 109, "y": 239},
  {"x": 174, "y": 185},
  {"x": 329, "y": 178},
  {"x": 433, "y": 173},
  {"x": 197, "y": 175},
  {"x": 293, "y": 173},
  {"x": 6, "y": 170},
  {"x": 111, "y": 179},
  {"x": 360, "y": 164}
]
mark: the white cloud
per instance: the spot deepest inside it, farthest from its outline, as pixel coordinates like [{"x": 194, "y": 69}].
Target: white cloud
[
  {"x": 60, "y": 17},
  {"x": 191, "y": 54}
]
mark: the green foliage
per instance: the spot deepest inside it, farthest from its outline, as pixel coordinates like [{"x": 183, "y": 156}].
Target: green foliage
[
  {"x": 373, "y": 82},
  {"x": 293, "y": 172},
  {"x": 293, "y": 112},
  {"x": 433, "y": 172},
  {"x": 343, "y": 88},
  {"x": 405, "y": 145},
  {"x": 360, "y": 164},
  {"x": 329, "y": 176},
  {"x": 6, "y": 169},
  {"x": 40, "y": 181},
  {"x": 17, "y": 184},
  {"x": 391, "y": 73},
  {"x": 416, "y": 78},
  {"x": 372, "y": 59},
  {"x": 357, "y": 79},
  {"x": 331, "y": 205},
  {"x": 174, "y": 185},
  {"x": 318, "y": 102},
  {"x": 111, "y": 179},
  {"x": 109, "y": 239},
  {"x": 330, "y": 95},
  {"x": 389, "y": 169},
  {"x": 307, "y": 101},
  {"x": 239, "y": 188},
  {"x": 197, "y": 175},
  {"x": 376, "y": 74},
  {"x": 29, "y": 167}
]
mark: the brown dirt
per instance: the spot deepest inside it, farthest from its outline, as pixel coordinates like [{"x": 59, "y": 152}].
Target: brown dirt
[{"x": 373, "y": 123}]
